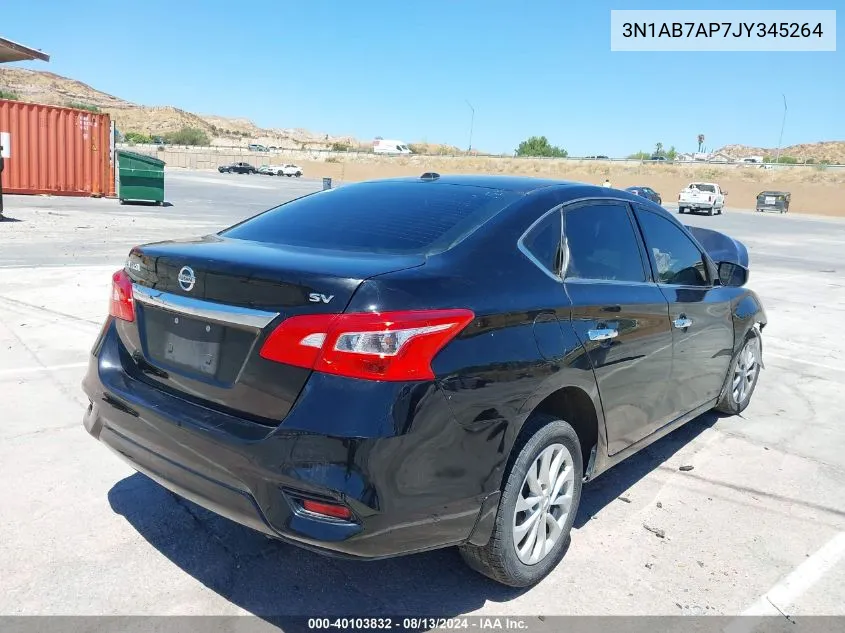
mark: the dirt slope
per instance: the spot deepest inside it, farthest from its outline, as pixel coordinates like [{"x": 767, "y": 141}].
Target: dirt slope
[{"x": 45, "y": 87}]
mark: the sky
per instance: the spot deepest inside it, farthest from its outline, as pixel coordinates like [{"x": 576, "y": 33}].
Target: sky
[{"x": 407, "y": 70}]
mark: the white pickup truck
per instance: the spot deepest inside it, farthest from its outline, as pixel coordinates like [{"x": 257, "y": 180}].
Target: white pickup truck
[{"x": 701, "y": 196}]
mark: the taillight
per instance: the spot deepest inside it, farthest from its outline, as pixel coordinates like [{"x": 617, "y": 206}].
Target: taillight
[
  {"x": 709, "y": 198},
  {"x": 121, "y": 305},
  {"x": 393, "y": 346}
]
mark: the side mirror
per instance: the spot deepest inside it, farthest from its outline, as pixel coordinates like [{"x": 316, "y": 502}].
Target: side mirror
[{"x": 732, "y": 274}]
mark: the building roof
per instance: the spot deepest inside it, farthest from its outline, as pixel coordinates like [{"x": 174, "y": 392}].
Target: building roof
[{"x": 13, "y": 52}]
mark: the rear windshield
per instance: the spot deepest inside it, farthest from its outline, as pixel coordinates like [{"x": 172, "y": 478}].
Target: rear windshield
[
  {"x": 705, "y": 188},
  {"x": 395, "y": 217}
]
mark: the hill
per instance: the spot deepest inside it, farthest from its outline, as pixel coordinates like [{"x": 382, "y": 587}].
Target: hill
[
  {"x": 830, "y": 151},
  {"x": 45, "y": 87}
]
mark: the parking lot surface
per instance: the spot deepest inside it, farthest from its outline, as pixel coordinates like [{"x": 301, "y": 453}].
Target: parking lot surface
[{"x": 757, "y": 525}]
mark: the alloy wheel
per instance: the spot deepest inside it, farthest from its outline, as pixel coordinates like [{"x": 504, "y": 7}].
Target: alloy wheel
[
  {"x": 746, "y": 370},
  {"x": 544, "y": 504}
]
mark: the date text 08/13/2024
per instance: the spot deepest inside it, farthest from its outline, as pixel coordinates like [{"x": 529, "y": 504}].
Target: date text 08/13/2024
[{"x": 419, "y": 623}]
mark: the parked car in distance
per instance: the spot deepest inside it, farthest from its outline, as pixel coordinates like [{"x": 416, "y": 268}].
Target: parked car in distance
[
  {"x": 291, "y": 170},
  {"x": 237, "y": 168},
  {"x": 646, "y": 192},
  {"x": 314, "y": 372},
  {"x": 774, "y": 201},
  {"x": 255, "y": 147},
  {"x": 656, "y": 157},
  {"x": 702, "y": 196},
  {"x": 267, "y": 170}
]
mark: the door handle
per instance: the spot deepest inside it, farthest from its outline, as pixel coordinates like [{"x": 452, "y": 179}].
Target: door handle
[
  {"x": 603, "y": 334},
  {"x": 682, "y": 323}
]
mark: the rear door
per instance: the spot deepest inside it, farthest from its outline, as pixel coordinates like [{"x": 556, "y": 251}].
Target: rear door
[
  {"x": 700, "y": 311},
  {"x": 620, "y": 316}
]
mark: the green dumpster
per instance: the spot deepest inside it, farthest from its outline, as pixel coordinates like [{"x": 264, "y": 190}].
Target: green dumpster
[{"x": 140, "y": 178}]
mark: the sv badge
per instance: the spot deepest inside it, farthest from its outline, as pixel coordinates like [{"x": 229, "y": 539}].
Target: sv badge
[{"x": 315, "y": 297}]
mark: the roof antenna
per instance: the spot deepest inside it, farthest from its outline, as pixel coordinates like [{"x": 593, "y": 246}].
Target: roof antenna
[{"x": 430, "y": 175}]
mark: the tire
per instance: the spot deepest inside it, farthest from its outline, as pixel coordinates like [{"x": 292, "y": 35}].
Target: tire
[
  {"x": 680, "y": 209},
  {"x": 735, "y": 398},
  {"x": 122, "y": 201},
  {"x": 298, "y": 174},
  {"x": 543, "y": 435},
  {"x": 289, "y": 175},
  {"x": 710, "y": 211}
]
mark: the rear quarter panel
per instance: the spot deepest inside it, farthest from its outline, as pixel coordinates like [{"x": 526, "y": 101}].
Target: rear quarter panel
[{"x": 519, "y": 349}]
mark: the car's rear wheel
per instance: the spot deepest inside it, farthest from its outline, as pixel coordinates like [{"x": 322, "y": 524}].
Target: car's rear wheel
[
  {"x": 742, "y": 376},
  {"x": 539, "y": 501},
  {"x": 681, "y": 209},
  {"x": 710, "y": 211}
]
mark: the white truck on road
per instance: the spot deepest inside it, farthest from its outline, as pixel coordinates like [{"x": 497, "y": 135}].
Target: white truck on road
[
  {"x": 390, "y": 146},
  {"x": 701, "y": 196}
]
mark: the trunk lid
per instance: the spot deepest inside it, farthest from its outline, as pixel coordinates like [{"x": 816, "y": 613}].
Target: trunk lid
[{"x": 204, "y": 307}]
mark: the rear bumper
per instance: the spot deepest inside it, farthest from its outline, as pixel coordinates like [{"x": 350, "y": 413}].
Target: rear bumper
[{"x": 405, "y": 491}]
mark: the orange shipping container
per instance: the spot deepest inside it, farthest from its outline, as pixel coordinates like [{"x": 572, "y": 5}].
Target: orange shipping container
[{"x": 53, "y": 150}]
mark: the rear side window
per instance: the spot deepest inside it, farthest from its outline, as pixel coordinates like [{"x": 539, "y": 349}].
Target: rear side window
[
  {"x": 703, "y": 187},
  {"x": 602, "y": 244},
  {"x": 385, "y": 217},
  {"x": 543, "y": 243}
]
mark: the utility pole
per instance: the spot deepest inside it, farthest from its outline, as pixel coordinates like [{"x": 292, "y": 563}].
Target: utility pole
[
  {"x": 782, "y": 125},
  {"x": 471, "y": 124}
]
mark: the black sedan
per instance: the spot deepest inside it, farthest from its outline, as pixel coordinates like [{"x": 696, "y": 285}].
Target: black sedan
[
  {"x": 646, "y": 192},
  {"x": 403, "y": 365},
  {"x": 237, "y": 168}
]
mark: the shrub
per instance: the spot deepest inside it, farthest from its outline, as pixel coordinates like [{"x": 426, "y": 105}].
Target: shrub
[
  {"x": 332, "y": 159},
  {"x": 188, "y": 136},
  {"x": 640, "y": 156},
  {"x": 783, "y": 160},
  {"x": 340, "y": 147},
  {"x": 82, "y": 106},
  {"x": 8, "y": 94},
  {"x": 137, "y": 137},
  {"x": 540, "y": 146}
]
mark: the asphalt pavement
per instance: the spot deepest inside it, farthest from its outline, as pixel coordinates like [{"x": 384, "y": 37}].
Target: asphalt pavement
[{"x": 756, "y": 526}]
